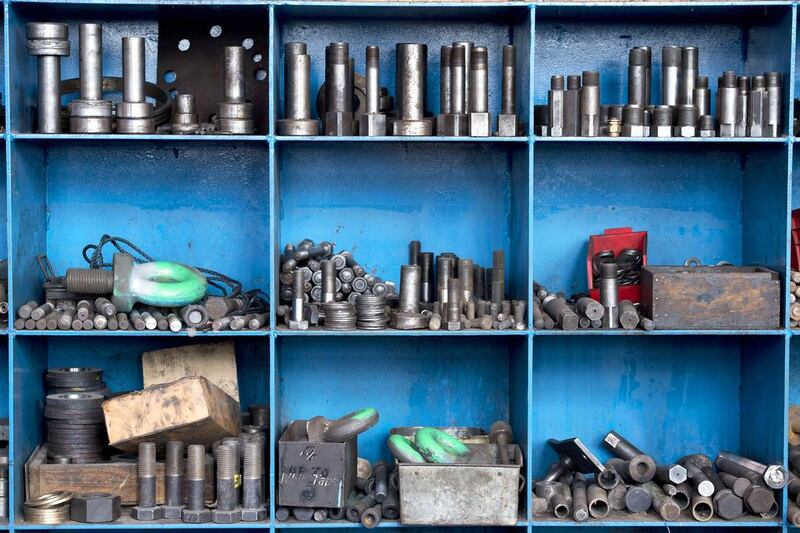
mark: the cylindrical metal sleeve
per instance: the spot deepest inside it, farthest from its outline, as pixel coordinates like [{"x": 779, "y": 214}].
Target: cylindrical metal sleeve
[
  {"x": 91, "y": 61},
  {"x": 373, "y": 79},
  {"x": 444, "y": 79},
  {"x": 670, "y": 74},
  {"x": 49, "y": 102},
  {"x": 338, "y": 83},
  {"x": 297, "y": 73},
  {"x": 410, "y": 279},
  {"x": 412, "y": 71},
  {"x": 508, "y": 103},
  {"x": 458, "y": 80},
  {"x": 133, "y": 69}
]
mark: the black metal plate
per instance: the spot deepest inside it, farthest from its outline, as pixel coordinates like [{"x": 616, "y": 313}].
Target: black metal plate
[
  {"x": 198, "y": 70},
  {"x": 577, "y": 455}
]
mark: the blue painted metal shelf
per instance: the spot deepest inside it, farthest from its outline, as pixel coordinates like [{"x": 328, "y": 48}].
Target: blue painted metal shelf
[{"x": 231, "y": 202}]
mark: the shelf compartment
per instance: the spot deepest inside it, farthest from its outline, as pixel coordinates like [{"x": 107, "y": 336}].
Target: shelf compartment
[
  {"x": 410, "y": 381},
  {"x": 671, "y": 396},
  {"x": 198, "y": 204},
  {"x": 711, "y": 202},
  {"x": 123, "y": 20},
  {"x": 491, "y": 26},
  {"x": 749, "y": 39},
  {"x": 459, "y": 197},
  {"x": 122, "y": 371}
]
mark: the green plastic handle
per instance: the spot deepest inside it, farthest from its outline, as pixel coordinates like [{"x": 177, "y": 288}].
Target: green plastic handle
[{"x": 439, "y": 447}]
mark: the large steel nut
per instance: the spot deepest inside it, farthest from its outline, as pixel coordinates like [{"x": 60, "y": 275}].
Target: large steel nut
[{"x": 95, "y": 507}]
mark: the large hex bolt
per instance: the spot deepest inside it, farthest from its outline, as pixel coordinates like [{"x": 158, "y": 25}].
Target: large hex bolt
[
  {"x": 195, "y": 511},
  {"x": 686, "y": 121},
  {"x": 253, "y": 509},
  {"x": 702, "y": 96},
  {"x": 663, "y": 504},
  {"x": 453, "y": 322},
  {"x": 297, "y": 92},
  {"x": 297, "y": 318},
  {"x": 572, "y": 106},
  {"x": 694, "y": 465},
  {"x": 508, "y": 122},
  {"x": 146, "y": 508},
  {"x": 633, "y": 121},
  {"x": 775, "y": 476},
  {"x": 412, "y": 69},
  {"x": 501, "y": 435},
  {"x": 774, "y": 124},
  {"x": 445, "y": 267},
  {"x": 726, "y": 103},
  {"x": 373, "y": 122},
  {"x": 173, "y": 481},
  {"x": 134, "y": 113},
  {"x": 609, "y": 296},
  {"x": 758, "y": 498},
  {"x": 90, "y": 113},
  {"x": 480, "y": 120},
  {"x": 498, "y": 277},
  {"x": 757, "y": 106},
  {"x": 455, "y": 123},
  {"x": 590, "y": 104},
  {"x": 227, "y": 510},
  {"x": 466, "y": 280},
  {"x": 555, "y": 107},
  {"x": 727, "y": 505},
  {"x": 662, "y": 121},
  {"x": 427, "y": 281},
  {"x": 380, "y": 473},
  {"x": 328, "y": 270},
  {"x": 707, "y": 126},
  {"x": 48, "y": 41},
  {"x": 638, "y": 76},
  {"x": 674, "y": 474},
  {"x": 234, "y": 113},
  {"x": 410, "y": 280},
  {"x": 560, "y": 312},
  {"x": 95, "y": 508},
  {"x": 184, "y": 115},
  {"x": 338, "y": 119}
]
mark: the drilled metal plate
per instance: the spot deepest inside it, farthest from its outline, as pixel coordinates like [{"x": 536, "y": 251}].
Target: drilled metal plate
[{"x": 198, "y": 69}]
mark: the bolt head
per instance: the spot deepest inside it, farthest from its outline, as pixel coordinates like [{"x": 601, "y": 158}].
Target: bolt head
[
  {"x": 146, "y": 513},
  {"x": 480, "y": 124},
  {"x": 708, "y": 133},
  {"x": 196, "y": 517},
  {"x": 455, "y": 325},
  {"x": 453, "y": 125},
  {"x": 726, "y": 130},
  {"x": 298, "y": 324},
  {"x": 372, "y": 125},
  {"x": 629, "y": 130},
  {"x": 172, "y": 512},
  {"x": 508, "y": 126},
  {"x": 661, "y": 131},
  {"x": 254, "y": 515},
  {"x": 226, "y": 517},
  {"x": 338, "y": 123},
  {"x": 685, "y": 131}
]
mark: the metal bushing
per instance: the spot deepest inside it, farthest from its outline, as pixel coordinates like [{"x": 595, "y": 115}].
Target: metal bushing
[
  {"x": 134, "y": 113},
  {"x": 408, "y": 321},
  {"x": 184, "y": 115},
  {"x": 95, "y": 507},
  {"x": 89, "y": 113},
  {"x": 73, "y": 377},
  {"x": 49, "y": 42},
  {"x": 75, "y": 401}
]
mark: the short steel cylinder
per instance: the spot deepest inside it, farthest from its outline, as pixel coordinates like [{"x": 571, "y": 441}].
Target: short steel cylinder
[
  {"x": 233, "y": 74},
  {"x": 410, "y": 280},
  {"x": 133, "y": 69},
  {"x": 297, "y": 73},
  {"x": 412, "y": 68},
  {"x": 508, "y": 104},
  {"x": 702, "y": 96},
  {"x": 91, "y": 61}
]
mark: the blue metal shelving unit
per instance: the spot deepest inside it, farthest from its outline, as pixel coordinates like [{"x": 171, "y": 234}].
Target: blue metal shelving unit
[{"x": 231, "y": 202}]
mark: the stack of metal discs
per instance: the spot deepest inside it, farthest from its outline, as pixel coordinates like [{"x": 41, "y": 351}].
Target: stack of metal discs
[
  {"x": 75, "y": 427},
  {"x": 51, "y": 508},
  {"x": 75, "y": 379},
  {"x": 339, "y": 315},
  {"x": 371, "y": 312}
]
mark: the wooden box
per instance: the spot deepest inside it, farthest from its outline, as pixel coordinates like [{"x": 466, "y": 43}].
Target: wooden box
[
  {"x": 192, "y": 410},
  {"x": 711, "y": 297}
]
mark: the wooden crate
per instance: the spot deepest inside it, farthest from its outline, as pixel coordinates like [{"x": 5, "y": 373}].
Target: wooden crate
[{"x": 711, "y": 297}]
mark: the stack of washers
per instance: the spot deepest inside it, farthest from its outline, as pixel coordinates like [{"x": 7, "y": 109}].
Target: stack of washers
[
  {"x": 339, "y": 315},
  {"x": 464, "y": 93},
  {"x": 745, "y": 106},
  {"x": 371, "y": 312},
  {"x": 75, "y": 379},
  {"x": 50, "y": 508}
]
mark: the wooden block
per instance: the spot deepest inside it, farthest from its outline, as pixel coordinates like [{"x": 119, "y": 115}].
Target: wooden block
[
  {"x": 216, "y": 362},
  {"x": 711, "y": 297},
  {"x": 115, "y": 477},
  {"x": 192, "y": 410}
]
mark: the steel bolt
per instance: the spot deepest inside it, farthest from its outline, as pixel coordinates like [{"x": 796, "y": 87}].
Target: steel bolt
[{"x": 146, "y": 508}]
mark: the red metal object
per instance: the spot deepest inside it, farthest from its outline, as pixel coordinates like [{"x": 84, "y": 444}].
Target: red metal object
[
  {"x": 795, "y": 239},
  {"x": 616, "y": 240}
]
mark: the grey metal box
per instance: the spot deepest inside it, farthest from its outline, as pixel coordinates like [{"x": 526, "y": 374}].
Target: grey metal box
[
  {"x": 314, "y": 474},
  {"x": 477, "y": 493}
]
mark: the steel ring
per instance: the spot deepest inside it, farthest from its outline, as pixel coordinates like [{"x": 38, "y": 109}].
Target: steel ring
[{"x": 163, "y": 107}]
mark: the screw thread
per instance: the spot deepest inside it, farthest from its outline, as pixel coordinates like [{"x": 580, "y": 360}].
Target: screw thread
[
  {"x": 225, "y": 461},
  {"x": 146, "y": 465},
  {"x": 196, "y": 462},
  {"x": 90, "y": 281},
  {"x": 174, "y": 458},
  {"x": 253, "y": 460}
]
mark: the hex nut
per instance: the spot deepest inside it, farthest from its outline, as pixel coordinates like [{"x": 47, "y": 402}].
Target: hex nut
[
  {"x": 226, "y": 517},
  {"x": 454, "y": 325},
  {"x": 254, "y": 515},
  {"x": 201, "y": 516},
  {"x": 146, "y": 513},
  {"x": 685, "y": 131},
  {"x": 95, "y": 507}
]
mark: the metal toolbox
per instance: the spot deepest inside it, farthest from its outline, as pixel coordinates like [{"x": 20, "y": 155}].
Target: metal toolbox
[
  {"x": 477, "y": 493},
  {"x": 711, "y": 297},
  {"x": 314, "y": 474}
]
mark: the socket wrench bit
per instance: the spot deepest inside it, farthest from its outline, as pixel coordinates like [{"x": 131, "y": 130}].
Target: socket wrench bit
[
  {"x": 707, "y": 126},
  {"x": 373, "y": 122},
  {"x": 670, "y": 75},
  {"x": 757, "y": 107},
  {"x": 633, "y": 121},
  {"x": 297, "y": 319},
  {"x": 234, "y": 113},
  {"x": 609, "y": 296},
  {"x": 702, "y": 96},
  {"x": 664, "y": 505},
  {"x": 48, "y": 41},
  {"x": 412, "y": 75},
  {"x": 480, "y": 120},
  {"x": 560, "y": 312},
  {"x": 690, "y": 57},
  {"x": 134, "y": 113},
  {"x": 508, "y": 122},
  {"x": 173, "y": 481},
  {"x": 338, "y": 119},
  {"x": 590, "y": 104},
  {"x": 90, "y": 113},
  {"x": 146, "y": 508},
  {"x": 296, "y": 92},
  {"x": 555, "y": 107},
  {"x": 638, "y": 76},
  {"x": 774, "y": 124},
  {"x": 227, "y": 510},
  {"x": 662, "y": 121},
  {"x": 456, "y": 122},
  {"x": 775, "y": 476},
  {"x": 572, "y": 107},
  {"x": 742, "y": 99},
  {"x": 686, "y": 121},
  {"x": 726, "y": 103},
  {"x": 640, "y": 467},
  {"x": 184, "y": 115}
]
